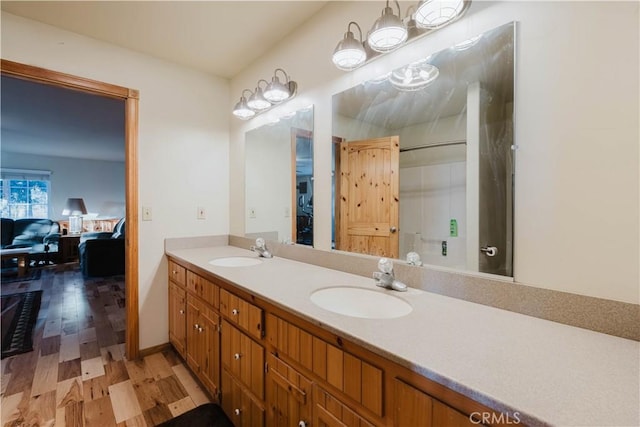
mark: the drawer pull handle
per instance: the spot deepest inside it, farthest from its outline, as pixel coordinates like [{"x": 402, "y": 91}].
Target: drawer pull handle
[
  {"x": 237, "y": 411},
  {"x": 235, "y": 312},
  {"x": 237, "y": 356}
]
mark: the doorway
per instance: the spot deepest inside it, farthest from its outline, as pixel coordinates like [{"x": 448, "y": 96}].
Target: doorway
[{"x": 130, "y": 98}]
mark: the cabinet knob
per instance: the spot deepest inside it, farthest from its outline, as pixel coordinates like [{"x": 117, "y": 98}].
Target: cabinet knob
[
  {"x": 174, "y": 272},
  {"x": 302, "y": 424},
  {"x": 181, "y": 311},
  {"x": 237, "y": 356},
  {"x": 200, "y": 329},
  {"x": 237, "y": 411},
  {"x": 196, "y": 326},
  {"x": 235, "y": 311}
]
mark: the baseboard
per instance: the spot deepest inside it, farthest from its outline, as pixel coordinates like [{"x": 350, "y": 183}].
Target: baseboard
[{"x": 155, "y": 349}]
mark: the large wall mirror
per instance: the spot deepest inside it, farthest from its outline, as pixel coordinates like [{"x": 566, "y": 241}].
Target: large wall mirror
[
  {"x": 423, "y": 159},
  {"x": 279, "y": 179}
]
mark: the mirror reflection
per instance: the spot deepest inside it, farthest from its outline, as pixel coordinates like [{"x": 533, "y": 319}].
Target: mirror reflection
[
  {"x": 279, "y": 179},
  {"x": 423, "y": 159}
]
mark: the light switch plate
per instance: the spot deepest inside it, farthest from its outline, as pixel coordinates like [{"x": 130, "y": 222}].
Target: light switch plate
[
  {"x": 252, "y": 212},
  {"x": 146, "y": 213},
  {"x": 201, "y": 213}
]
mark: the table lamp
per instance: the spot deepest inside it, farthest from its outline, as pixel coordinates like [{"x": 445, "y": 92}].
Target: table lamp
[{"x": 74, "y": 208}]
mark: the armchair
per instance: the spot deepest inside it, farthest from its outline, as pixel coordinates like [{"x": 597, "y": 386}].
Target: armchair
[{"x": 103, "y": 253}]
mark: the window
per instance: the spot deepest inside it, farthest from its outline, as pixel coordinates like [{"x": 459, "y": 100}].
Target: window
[{"x": 24, "y": 193}]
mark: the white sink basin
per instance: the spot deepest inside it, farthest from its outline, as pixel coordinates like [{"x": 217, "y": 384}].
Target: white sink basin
[
  {"x": 361, "y": 302},
  {"x": 235, "y": 261}
]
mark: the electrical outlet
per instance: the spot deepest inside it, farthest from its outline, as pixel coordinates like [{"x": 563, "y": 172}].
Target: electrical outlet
[
  {"x": 201, "y": 213},
  {"x": 252, "y": 212},
  {"x": 146, "y": 213}
]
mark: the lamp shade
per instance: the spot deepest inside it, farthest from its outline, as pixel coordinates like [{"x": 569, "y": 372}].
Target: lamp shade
[
  {"x": 436, "y": 13},
  {"x": 242, "y": 111},
  {"x": 387, "y": 33},
  {"x": 349, "y": 53},
  {"x": 74, "y": 207},
  {"x": 276, "y": 91}
]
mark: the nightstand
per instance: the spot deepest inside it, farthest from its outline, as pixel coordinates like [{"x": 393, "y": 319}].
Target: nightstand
[{"x": 68, "y": 248}]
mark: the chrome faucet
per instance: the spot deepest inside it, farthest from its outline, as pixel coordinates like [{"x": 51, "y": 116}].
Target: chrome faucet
[
  {"x": 385, "y": 277},
  {"x": 261, "y": 248}
]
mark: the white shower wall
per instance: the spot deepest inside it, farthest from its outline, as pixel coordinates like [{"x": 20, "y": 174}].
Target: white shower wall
[{"x": 430, "y": 197}]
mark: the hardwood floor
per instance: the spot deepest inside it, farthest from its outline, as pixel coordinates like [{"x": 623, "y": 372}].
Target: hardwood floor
[{"x": 77, "y": 374}]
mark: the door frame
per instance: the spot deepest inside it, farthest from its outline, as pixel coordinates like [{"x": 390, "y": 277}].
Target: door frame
[{"x": 130, "y": 98}]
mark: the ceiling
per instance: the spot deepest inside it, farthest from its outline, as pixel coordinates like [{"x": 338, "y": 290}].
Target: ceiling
[
  {"x": 46, "y": 120},
  {"x": 192, "y": 33}
]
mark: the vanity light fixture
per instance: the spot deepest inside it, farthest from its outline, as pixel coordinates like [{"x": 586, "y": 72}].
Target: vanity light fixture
[
  {"x": 278, "y": 92},
  {"x": 242, "y": 110},
  {"x": 261, "y": 100},
  {"x": 257, "y": 101},
  {"x": 349, "y": 53},
  {"x": 437, "y": 13},
  {"x": 388, "y": 32},
  {"x": 414, "y": 76}
]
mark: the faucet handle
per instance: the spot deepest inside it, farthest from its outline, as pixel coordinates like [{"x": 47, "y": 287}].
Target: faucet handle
[
  {"x": 385, "y": 265},
  {"x": 260, "y": 244}
]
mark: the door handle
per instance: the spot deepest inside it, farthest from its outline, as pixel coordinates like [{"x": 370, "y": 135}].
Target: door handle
[
  {"x": 489, "y": 250},
  {"x": 393, "y": 229}
]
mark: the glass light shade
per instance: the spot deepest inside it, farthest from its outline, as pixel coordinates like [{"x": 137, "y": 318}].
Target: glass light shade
[
  {"x": 436, "y": 13},
  {"x": 415, "y": 76},
  {"x": 349, "y": 53},
  {"x": 387, "y": 33},
  {"x": 242, "y": 111},
  {"x": 257, "y": 101},
  {"x": 276, "y": 91}
]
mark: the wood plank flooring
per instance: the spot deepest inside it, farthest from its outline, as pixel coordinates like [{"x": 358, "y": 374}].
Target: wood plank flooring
[{"x": 77, "y": 375}]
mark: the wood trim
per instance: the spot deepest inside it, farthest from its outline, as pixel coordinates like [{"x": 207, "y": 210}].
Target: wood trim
[
  {"x": 130, "y": 97},
  {"x": 132, "y": 342},
  {"x": 294, "y": 201},
  {"x": 55, "y": 78},
  {"x": 152, "y": 350}
]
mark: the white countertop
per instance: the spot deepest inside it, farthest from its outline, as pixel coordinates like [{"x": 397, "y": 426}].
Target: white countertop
[{"x": 548, "y": 372}]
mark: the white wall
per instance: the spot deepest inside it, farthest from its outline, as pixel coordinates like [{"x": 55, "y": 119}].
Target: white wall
[
  {"x": 576, "y": 123},
  {"x": 99, "y": 183},
  {"x": 183, "y": 144}
]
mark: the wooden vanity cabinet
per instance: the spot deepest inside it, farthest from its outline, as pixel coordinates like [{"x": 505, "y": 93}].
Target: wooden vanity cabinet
[{"x": 311, "y": 377}]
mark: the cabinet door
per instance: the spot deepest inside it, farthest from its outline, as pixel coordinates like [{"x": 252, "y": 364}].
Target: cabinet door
[
  {"x": 411, "y": 406},
  {"x": 241, "y": 409},
  {"x": 241, "y": 313},
  {"x": 193, "y": 342},
  {"x": 330, "y": 412},
  {"x": 244, "y": 358},
  {"x": 288, "y": 395},
  {"x": 209, "y": 359},
  {"x": 177, "y": 318}
]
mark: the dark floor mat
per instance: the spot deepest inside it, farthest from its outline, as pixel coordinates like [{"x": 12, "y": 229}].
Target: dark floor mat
[
  {"x": 19, "y": 315},
  {"x": 207, "y": 415}
]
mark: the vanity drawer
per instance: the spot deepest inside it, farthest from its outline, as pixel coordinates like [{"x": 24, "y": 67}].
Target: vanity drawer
[
  {"x": 240, "y": 407},
  {"x": 355, "y": 377},
  {"x": 205, "y": 289},
  {"x": 243, "y": 358},
  {"x": 177, "y": 273},
  {"x": 242, "y": 313},
  {"x": 330, "y": 412}
]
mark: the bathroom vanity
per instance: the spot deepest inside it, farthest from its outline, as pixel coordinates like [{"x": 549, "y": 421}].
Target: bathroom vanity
[{"x": 250, "y": 331}]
